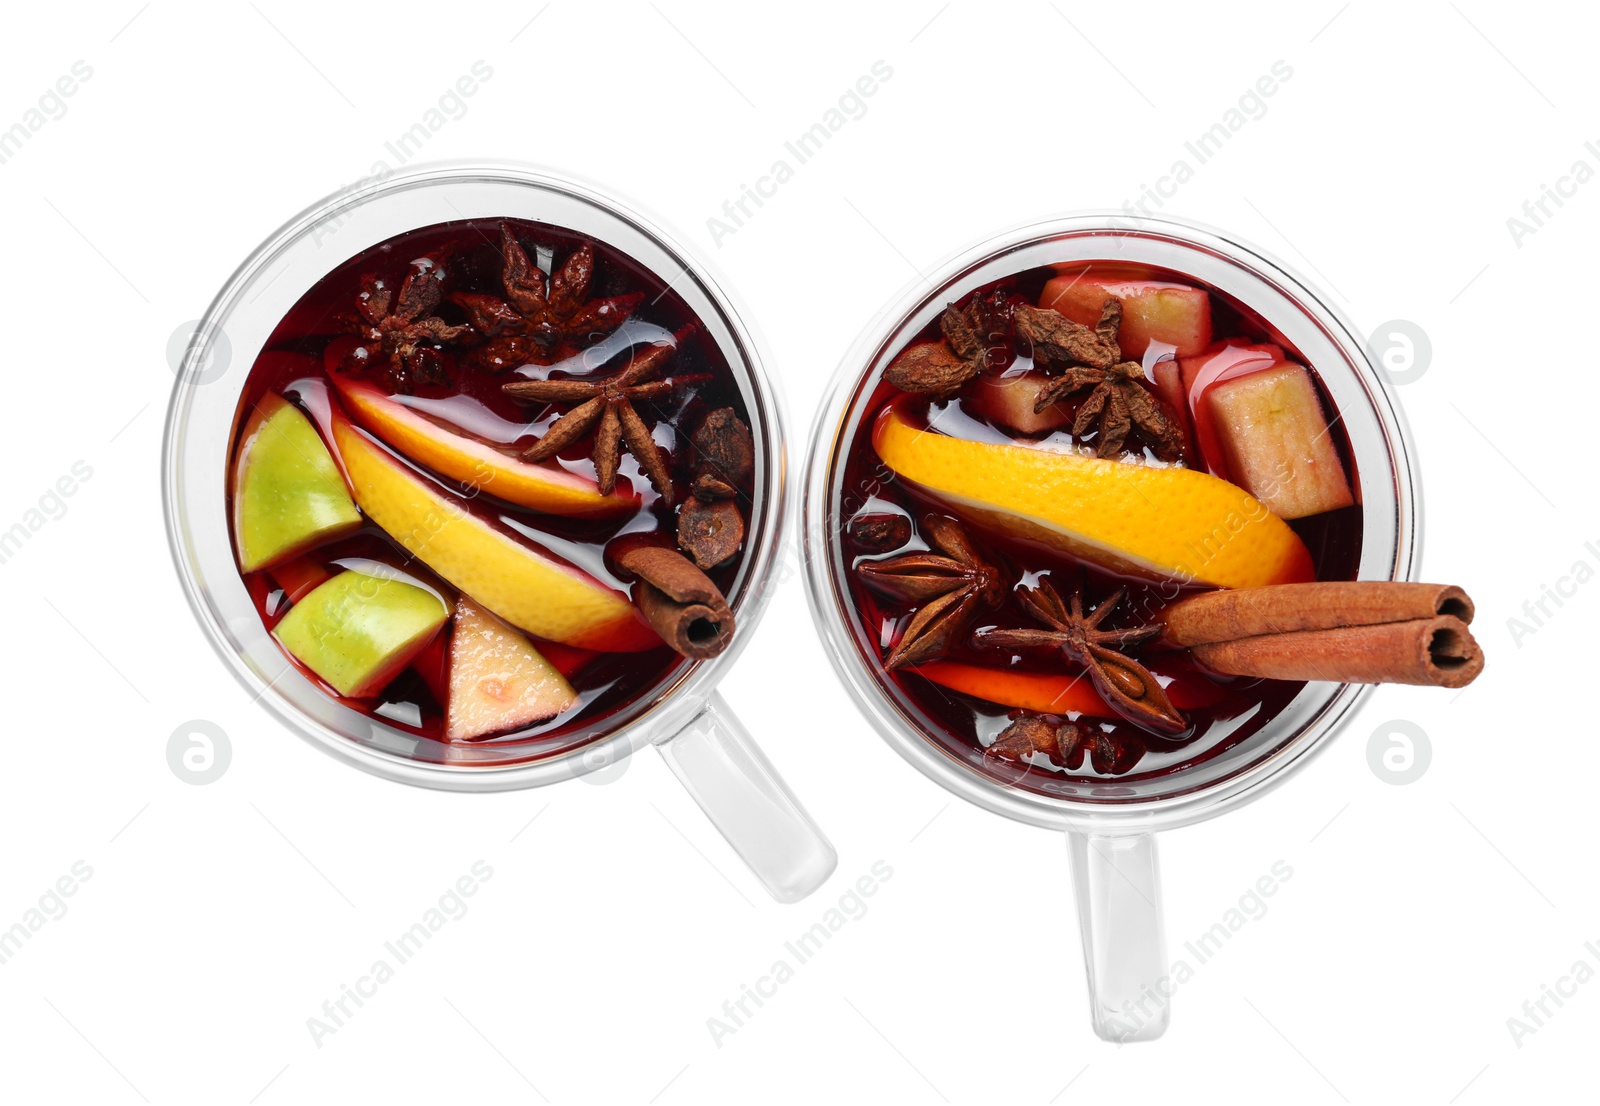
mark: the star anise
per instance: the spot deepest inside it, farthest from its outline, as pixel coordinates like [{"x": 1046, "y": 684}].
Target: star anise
[
  {"x": 537, "y": 314},
  {"x": 950, "y": 589},
  {"x": 403, "y": 331},
  {"x": 1093, "y": 361},
  {"x": 1125, "y": 684},
  {"x": 1065, "y": 743},
  {"x": 608, "y": 403},
  {"x": 971, "y": 333}
]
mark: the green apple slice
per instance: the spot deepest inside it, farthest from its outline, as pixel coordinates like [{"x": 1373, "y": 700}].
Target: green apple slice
[
  {"x": 288, "y": 494},
  {"x": 358, "y": 631}
]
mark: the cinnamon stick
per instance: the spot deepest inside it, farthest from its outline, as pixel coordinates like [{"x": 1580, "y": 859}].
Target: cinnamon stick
[
  {"x": 1342, "y": 631},
  {"x": 679, "y": 601},
  {"x": 1436, "y": 651},
  {"x": 1324, "y": 605}
]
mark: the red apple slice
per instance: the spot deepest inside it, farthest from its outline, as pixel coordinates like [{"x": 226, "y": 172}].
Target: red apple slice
[
  {"x": 1276, "y": 441},
  {"x": 1009, "y": 401},
  {"x": 498, "y": 680},
  {"x": 510, "y": 574},
  {"x": 1152, "y": 310},
  {"x": 480, "y": 465},
  {"x": 1221, "y": 361},
  {"x": 1169, "y": 386}
]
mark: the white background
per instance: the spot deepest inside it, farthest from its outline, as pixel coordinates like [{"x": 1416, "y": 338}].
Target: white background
[{"x": 219, "y": 918}]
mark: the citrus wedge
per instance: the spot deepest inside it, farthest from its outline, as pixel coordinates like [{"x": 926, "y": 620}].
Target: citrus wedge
[
  {"x": 478, "y": 464},
  {"x": 1163, "y": 523},
  {"x": 512, "y": 576},
  {"x": 1052, "y": 693}
]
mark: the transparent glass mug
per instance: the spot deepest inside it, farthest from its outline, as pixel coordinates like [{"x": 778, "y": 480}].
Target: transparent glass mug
[
  {"x": 1110, "y": 823},
  {"x": 682, "y": 716}
]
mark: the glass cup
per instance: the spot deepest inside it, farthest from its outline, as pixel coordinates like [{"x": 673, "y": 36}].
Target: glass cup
[
  {"x": 1110, "y": 823},
  {"x": 682, "y": 716}
]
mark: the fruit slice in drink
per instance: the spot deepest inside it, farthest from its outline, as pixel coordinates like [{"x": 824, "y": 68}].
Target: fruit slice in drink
[
  {"x": 475, "y": 463},
  {"x": 498, "y": 680},
  {"x": 1134, "y": 519},
  {"x": 358, "y": 631},
  {"x": 1009, "y": 400},
  {"x": 1276, "y": 441},
  {"x": 287, "y": 493},
  {"x": 512, "y": 576},
  {"x": 1152, "y": 310}
]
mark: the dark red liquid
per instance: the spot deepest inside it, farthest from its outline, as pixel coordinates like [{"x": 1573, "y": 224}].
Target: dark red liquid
[
  {"x": 964, "y": 725},
  {"x": 292, "y": 364}
]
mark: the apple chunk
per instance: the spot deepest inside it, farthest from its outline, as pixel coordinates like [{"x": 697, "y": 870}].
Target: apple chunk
[
  {"x": 1276, "y": 441},
  {"x": 287, "y": 493},
  {"x": 498, "y": 680},
  {"x": 1152, "y": 310},
  {"x": 1009, "y": 401},
  {"x": 358, "y": 631}
]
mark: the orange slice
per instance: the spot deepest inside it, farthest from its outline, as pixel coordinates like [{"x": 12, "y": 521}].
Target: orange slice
[
  {"x": 1140, "y": 520},
  {"x": 476, "y": 463}
]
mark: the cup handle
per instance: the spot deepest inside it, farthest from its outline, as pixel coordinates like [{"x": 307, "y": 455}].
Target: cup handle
[
  {"x": 715, "y": 758},
  {"x": 1117, "y": 881}
]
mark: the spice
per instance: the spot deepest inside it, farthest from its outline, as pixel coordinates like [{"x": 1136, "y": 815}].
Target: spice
[
  {"x": 537, "y": 314},
  {"x": 949, "y": 590},
  {"x": 1065, "y": 743},
  {"x": 878, "y": 533},
  {"x": 1341, "y": 631},
  {"x": 940, "y": 368},
  {"x": 608, "y": 403},
  {"x": 1125, "y": 684},
  {"x": 711, "y": 527},
  {"x": 1055, "y": 337},
  {"x": 402, "y": 333},
  {"x": 1117, "y": 399},
  {"x": 710, "y": 530},
  {"x": 678, "y": 600},
  {"x": 1062, "y": 742}
]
